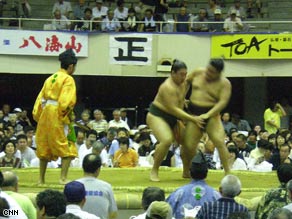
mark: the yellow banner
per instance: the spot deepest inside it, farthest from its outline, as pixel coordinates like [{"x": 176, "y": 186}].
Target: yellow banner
[{"x": 252, "y": 46}]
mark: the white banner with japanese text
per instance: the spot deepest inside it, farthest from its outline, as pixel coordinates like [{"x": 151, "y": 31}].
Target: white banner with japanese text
[
  {"x": 130, "y": 49},
  {"x": 44, "y": 43}
]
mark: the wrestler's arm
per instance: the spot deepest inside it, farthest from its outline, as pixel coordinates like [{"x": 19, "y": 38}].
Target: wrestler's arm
[
  {"x": 172, "y": 105},
  {"x": 37, "y": 108},
  {"x": 67, "y": 97},
  {"x": 222, "y": 103}
]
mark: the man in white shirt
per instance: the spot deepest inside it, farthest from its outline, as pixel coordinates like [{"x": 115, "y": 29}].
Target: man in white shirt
[
  {"x": 63, "y": 7},
  {"x": 233, "y": 23},
  {"x": 60, "y": 22},
  {"x": 117, "y": 122},
  {"x": 27, "y": 154},
  {"x": 75, "y": 195},
  {"x": 86, "y": 148},
  {"x": 99, "y": 11}
]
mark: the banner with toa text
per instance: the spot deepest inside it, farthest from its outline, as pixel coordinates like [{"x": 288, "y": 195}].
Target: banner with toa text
[{"x": 252, "y": 46}]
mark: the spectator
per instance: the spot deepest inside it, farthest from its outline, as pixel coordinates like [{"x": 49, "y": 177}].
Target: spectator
[
  {"x": 27, "y": 154},
  {"x": 29, "y": 131},
  {"x": 280, "y": 213},
  {"x": 212, "y": 9},
  {"x": 285, "y": 120},
  {"x": 233, "y": 134},
  {"x": 150, "y": 194},
  {"x": 240, "y": 124},
  {"x": 276, "y": 197},
  {"x": 10, "y": 186},
  {"x": 280, "y": 140},
  {"x": 289, "y": 191},
  {"x": 11, "y": 202},
  {"x": 75, "y": 195},
  {"x": 198, "y": 26},
  {"x": 85, "y": 119},
  {"x": 79, "y": 9},
  {"x": 252, "y": 139},
  {"x": 146, "y": 145},
  {"x": 110, "y": 24},
  {"x": 98, "y": 124},
  {"x": 257, "y": 128},
  {"x": 109, "y": 139},
  {"x": 80, "y": 138},
  {"x": 97, "y": 191},
  {"x": 6, "y": 107},
  {"x": 60, "y": 22},
  {"x": 125, "y": 156},
  {"x": 159, "y": 209},
  {"x": 182, "y": 17},
  {"x": 196, "y": 193},
  {"x": 125, "y": 118},
  {"x": 264, "y": 134},
  {"x": 149, "y": 22},
  {"x": 63, "y": 7},
  {"x": 235, "y": 162},
  {"x": 272, "y": 117},
  {"x": 233, "y": 24},
  {"x": 218, "y": 27},
  {"x": 13, "y": 122},
  {"x": 50, "y": 204},
  {"x": 131, "y": 24},
  {"x": 99, "y": 149},
  {"x": 282, "y": 157},
  {"x": 99, "y": 11},
  {"x": 23, "y": 119},
  {"x": 258, "y": 153},
  {"x": 239, "y": 10},
  {"x": 243, "y": 147},
  {"x": 117, "y": 122},
  {"x": 9, "y": 159},
  {"x": 223, "y": 207},
  {"x": 161, "y": 9},
  {"x": 121, "y": 12},
  {"x": 86, "y": 148},
  {"x": 86, "y": 21}
]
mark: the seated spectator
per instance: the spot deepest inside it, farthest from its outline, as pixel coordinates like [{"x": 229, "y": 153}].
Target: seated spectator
[
  {"x": 252, "y": 139},
  {"x": 282, "y": 157},
  {"x": 27, "y": 154},
  {"x": 239, "y": 10},
  {"x": 159, "y": 209},
  {"x": 117, "y": 122},
  {"x": 98, "y": 124},
  {"x": 243, "y": 148},
  {"x": 9, "y": 159},
  {"x": 276, "y": 197},
  {"x": 63, "y": 7},
  {"x": 121, "y": 132},
  {"x": 203, "y": 147},
  {"x": 150, "y": 194},
  {"x": 289, "y": 191},
  {"x": 201, "y": 192},
  {"x": 10, "y": 186},
  {"x": 23, "y": 119},
  {"x": 99, "y": 149},
  {"x": 280, "y": 213},
  {"x": 79, "y": 9},
  {"x": 125, "y": 156},
  {"x": 272, "y": 117},
  {"x": 75, "y": 195},
  {"x": 235, "y": 163},
  {"x": 233, "y": 134},
  {"x": 124, "y": 117},
  {"x": 85, "y": 24},
  {"x": 109, "y": 138},
  {"x": 199, "y": 27},
  {"x": 85, "y": 119},
  {"x": 149, "y": 22},
  {"x": 258, "y": 153},
  {"x": 6, "y": 110},
  {"x": 230, "y": 188},
  {"x": 99, "y": 11},
  {"x": 50, "y": 204},
  {"x": 131, "y": 25},
  {"x": 146, "y": 145},
  {"x": 262, "y": 164},
  {"x": 182, "y": 17},
  {"x": 240, "y": 124},
  {"x": 86, "y": 148},
  {"x": 29, "y": 131},
  {"x": 97, "y": 191},
  {"x": 212, "y": 9},
  {"x": 280, "y": 140},
  {"x": 121, "y": 12},
  {"x": 257, "y": 128},
  {"x": 60, "y": 22},
  {"x": 264, "y": 134},
  {"x": 13, "y": 122},
  {"x": 217, "y": 27},
  {"x": 80, "y": 138},
  {"x": 257, "y": 5}
]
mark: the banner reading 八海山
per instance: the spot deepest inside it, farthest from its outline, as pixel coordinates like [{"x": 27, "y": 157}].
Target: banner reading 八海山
[{"x": 252, "y": 46}]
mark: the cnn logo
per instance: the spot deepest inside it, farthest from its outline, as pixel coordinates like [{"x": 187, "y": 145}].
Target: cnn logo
[{"x": 10, "y": 212}]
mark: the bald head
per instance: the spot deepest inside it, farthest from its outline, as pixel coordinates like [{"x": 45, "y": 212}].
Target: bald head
[{"x": 10, "y": 181}]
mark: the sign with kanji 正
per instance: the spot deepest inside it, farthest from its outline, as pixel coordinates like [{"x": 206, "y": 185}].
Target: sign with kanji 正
[
  {"x": 130, "y": 49},
  {"x": 45, "y": 43}
]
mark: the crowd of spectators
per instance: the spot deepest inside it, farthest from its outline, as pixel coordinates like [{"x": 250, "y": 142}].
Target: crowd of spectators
[{"x": 147, "y": 15}]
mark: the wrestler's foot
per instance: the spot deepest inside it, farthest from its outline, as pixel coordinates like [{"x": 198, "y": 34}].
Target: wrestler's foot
[
  {"x": 154, "y": 176},
  {"x": 64, "y": 181}
]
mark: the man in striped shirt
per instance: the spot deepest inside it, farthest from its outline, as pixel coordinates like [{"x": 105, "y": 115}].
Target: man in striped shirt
[{"x": 226, "y": 206}]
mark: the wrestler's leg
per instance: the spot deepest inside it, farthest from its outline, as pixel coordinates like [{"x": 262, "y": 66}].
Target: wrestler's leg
[
  {"x": 64, "y": 169},
  {"x": 216, "y": 133},
  {"x": 43, "y": 168},
  {"x": 164, "y": 135},
  {"x": 192, "y": 137}
]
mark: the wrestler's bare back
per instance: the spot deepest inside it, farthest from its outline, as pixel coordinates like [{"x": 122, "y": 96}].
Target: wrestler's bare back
[
  {"x": 170, "y": 95},
  {"x": 205, "y": 93}
]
